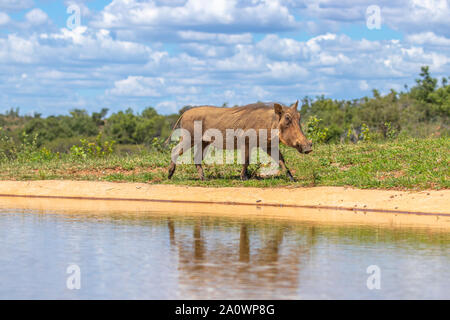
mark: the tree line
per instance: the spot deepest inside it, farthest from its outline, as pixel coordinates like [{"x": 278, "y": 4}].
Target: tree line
[{"x": 420, "y": 111}]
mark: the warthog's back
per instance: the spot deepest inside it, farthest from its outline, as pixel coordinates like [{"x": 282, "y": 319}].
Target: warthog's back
[{"x": 254, "y": 116}]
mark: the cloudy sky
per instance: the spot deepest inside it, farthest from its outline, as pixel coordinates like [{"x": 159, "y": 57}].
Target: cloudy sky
[{"x": 171, "y": 53}]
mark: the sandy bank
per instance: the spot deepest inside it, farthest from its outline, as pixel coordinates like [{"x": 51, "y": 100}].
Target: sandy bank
[{"x": 322, "y": 204}]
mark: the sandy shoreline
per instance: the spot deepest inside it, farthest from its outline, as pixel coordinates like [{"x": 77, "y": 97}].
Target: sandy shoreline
[{"x": 321, "y": 204}]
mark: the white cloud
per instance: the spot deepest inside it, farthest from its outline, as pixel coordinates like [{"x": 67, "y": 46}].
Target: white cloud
[
  {"x": 4, "y": 18},
  {"x": 15, "y": 5},
  {"x": 283, "y": 48},
  {"x": 244, "y": 59},
  {"x": 19, "y": 50},
  {"x": 138, "y": 86},
  {"x": 259, "y": 93},
  {"x": 197, "y": 15},
  {"x": 205, "y": 50},
  {"x": 363, "y": 85},
  {"x": 83, "y": 44},
  {"x": 36, "y": 17},
  {"x": 428, "y": 38},
  {"x": 287, "y": 71},
  {"x": 408, "y": 16},
  {"x": 419, "y": 16},
  {"x": 215, "y": 37}
]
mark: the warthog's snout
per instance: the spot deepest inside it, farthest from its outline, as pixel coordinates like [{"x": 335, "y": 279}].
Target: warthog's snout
[{"x": 304, "y": 148}]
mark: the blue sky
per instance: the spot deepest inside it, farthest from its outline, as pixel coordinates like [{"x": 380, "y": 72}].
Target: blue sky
[{"x": 171, "y": 53}]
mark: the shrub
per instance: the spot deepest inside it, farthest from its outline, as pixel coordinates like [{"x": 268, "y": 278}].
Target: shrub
[
  {"x": 96, "y": 149},
  {"x": 8, "y": 146},
  {"x": 391, "y": 133},
  {"x": 365, "y": 133},
  {"x": 315, "y": 132},
  {"x": 24, "y": 151},
  {"x": 44, "y": 154}
]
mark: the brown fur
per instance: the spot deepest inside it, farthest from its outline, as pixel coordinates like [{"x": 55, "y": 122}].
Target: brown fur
[{"x": 253, "y": 116}]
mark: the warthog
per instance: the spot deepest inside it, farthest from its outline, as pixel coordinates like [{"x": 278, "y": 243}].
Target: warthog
[{"x": 281, "y": 123}]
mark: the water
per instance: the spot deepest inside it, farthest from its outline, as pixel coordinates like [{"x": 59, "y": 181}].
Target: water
[{"x": 154, "y": 256}]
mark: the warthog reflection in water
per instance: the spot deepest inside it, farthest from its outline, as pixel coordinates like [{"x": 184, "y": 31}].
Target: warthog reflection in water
[{"x": 263, "y": 261}]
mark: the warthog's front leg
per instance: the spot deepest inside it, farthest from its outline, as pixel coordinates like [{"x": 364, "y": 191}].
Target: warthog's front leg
[
  {"x": 244, "y": 172},
  {"x": 283, "y": 165},
  {"x": 200, "y": 171},
  {"x": 281, "y": 162}
]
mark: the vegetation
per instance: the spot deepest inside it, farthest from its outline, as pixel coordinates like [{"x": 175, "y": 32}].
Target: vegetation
[
  {"x": 408, "y": 164},
  {"x": 399, "y": 140},
  {"x": 423, "y": 111}
]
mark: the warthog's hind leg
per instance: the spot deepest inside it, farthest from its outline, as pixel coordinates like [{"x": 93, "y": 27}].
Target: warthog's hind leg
[
  {"x": 198, "y": 157},
  {"x": 172, "y": 167},
  {"x": 177, "y": 152}
]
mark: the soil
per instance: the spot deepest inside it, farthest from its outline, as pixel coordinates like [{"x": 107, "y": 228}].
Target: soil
[{"x": 324, "y": 204}]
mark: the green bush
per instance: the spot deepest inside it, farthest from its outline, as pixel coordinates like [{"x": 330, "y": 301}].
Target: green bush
[
  {"x": 8, "y": 147},
  {"x": 315, "y": 131},
  {"x": 365, "y": 134},
  {"x": 391, "y": 133},
  {"x": 96, "y": 149},
  {"x": 26, "y": 150}
]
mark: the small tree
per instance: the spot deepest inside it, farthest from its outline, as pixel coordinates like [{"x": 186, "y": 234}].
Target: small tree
[
  {"x": 425, "y": 85},
  {"x": 314, "y": 130}
]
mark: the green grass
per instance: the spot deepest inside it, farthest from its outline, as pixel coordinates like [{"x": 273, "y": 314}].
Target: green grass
[{"x": 408, "y": 164}]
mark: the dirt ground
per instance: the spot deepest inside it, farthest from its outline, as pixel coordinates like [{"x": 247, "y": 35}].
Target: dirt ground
[{"x": 326, "y": 204}]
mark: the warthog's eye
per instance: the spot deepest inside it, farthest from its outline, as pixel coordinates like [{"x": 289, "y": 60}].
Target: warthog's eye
[{"x": 288, "y": 119}]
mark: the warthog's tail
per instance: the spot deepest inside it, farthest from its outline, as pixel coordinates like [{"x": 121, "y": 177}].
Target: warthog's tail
[{"x": 173, "y": 129}]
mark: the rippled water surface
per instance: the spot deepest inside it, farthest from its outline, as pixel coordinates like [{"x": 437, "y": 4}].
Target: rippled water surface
[{"x": 154, "y": 256}]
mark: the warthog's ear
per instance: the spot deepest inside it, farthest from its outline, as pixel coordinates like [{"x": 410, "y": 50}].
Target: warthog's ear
[
  {"x": 278, "y": 109},
  {"x": 295, "y": 105}
]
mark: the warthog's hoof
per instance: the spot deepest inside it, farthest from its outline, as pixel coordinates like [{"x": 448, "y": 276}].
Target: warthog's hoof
[{"x": 289, "y": 175}]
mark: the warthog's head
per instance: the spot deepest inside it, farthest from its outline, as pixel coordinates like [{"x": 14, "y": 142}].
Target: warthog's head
[{"x": 291, "y": 133}]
